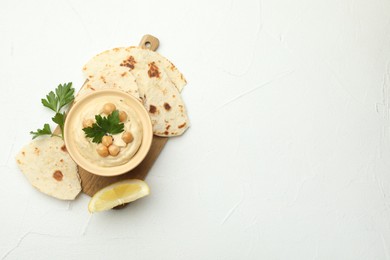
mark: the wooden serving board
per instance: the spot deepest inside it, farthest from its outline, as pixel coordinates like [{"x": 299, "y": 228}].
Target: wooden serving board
[{"x": 92, "y": 183}]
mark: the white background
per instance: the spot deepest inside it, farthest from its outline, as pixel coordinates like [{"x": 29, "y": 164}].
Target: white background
[{"x": 288, "y": 153}]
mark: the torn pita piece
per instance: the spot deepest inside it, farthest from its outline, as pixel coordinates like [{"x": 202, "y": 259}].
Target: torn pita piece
[
  {"x": 48, "y": 167},
  {"x": 159, "y": 84}
]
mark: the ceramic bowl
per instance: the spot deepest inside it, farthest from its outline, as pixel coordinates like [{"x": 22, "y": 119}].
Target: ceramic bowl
[{"x": 73, "y": 121}]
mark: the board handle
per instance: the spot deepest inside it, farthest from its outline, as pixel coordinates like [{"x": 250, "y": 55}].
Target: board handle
[{"x": 149, "y": 42}]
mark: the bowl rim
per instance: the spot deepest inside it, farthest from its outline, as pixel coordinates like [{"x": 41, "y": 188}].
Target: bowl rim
[{"x": 143, "y": 150}]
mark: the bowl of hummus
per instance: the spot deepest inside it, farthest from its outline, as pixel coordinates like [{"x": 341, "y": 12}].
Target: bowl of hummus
[{"x": 108, "y": 132}]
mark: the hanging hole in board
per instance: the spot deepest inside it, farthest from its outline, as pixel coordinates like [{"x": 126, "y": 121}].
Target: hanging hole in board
[{"x": 148, "y": 45}]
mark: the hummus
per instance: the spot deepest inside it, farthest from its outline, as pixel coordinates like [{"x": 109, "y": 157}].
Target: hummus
[{"x": 132, "y": 124}]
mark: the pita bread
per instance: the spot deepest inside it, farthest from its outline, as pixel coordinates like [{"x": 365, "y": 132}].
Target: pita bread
[
  {"x": 116, "y": 78},
  {"x": 49, "y": 168},
  {"x": 163, "y": 102},
  {"x": 172, "y": 72},
  {"x": 159, "y": 93},
  {"x": 122, "y": 57}
]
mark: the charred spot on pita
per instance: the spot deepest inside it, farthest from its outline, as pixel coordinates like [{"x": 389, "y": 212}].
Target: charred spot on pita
[
  {"x": 103, "y": 79},
  {"x": 152, "y": 109},
  {"x": 63, "y": 148},
  {"x": 153, "y": 70},
  {"x": 167, "y": 106},
  {"x": 129, "y": 62},
  {"x": 57, "y": 175}
]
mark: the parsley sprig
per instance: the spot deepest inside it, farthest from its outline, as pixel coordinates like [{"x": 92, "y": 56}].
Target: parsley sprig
[
  {"x": 104, "y": 126},
  {"x": 58, "y": 101}
]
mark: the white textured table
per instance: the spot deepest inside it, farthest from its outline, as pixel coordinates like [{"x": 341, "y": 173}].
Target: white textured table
[{"x": 288, "y": 156}]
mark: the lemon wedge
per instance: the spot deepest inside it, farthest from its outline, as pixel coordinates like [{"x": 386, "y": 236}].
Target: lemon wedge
[{"x": 118, "y": 193}]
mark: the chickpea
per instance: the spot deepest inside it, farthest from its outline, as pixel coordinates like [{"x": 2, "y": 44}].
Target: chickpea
[
  {"x": 122, "y": 116},
  {"x": 87, "y": 123},
  {"x": 108, "y": 108},
  {"x": 107, "y": 140},
  {"x": 127, "y": 137},
  {"x": 113, "y": 150},
  {"x": 102, "y": 150}
]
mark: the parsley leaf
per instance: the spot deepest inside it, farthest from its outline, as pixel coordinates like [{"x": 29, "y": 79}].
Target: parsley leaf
[
  {"x": 111, "y": 124},
  {"x": 56, "y": 101},
  {"x": 44, "y": 131},
  {"x": 103, "y": 126},
  {"x": 94, "y": 132},
  {"x": 59, "y": 119},
  {"x": 65, "y": 94},
  {"x": 50, "y": 101}
]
